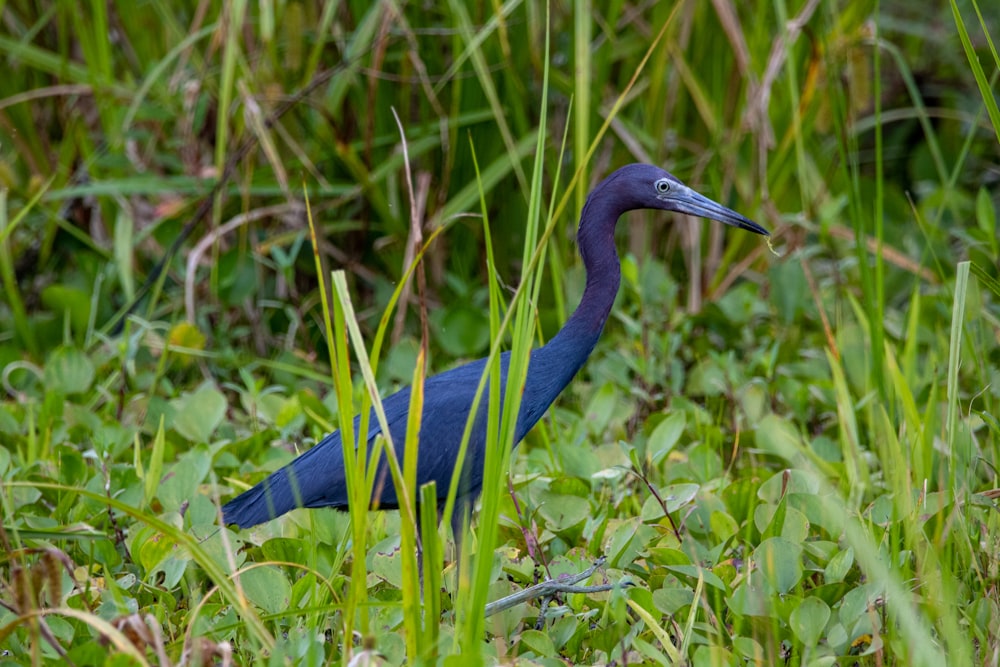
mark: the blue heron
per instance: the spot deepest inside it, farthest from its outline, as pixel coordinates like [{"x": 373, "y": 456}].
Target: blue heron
[{"x": 317, "y": 477}]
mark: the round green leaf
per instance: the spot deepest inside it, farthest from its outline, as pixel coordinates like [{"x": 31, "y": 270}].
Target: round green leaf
[
  {"x": 750, "y": 649},
  {"x": 180, "y": 482},
  {"x": 857, "y": 602},
  {"x": 69, "y": 371},
  {"x": 809, "y": 620},
  {"x": 671, "y": 600},
  {"x": 267, "y": 588},
  {"x": 198, "y": 414},
  {"x": 538, "y": 642},
  {"x": 707, "y": 378},
  {"x": 562, "y": 512},
  {"x": 787, "y": 482},
  {"x": 839, "y": 566},
  {"x": 780, "y": 561},
  {"x": 153, "y": 548},
  {"x": 387, "y": 562},
  {"x": 722, "y": 525}
]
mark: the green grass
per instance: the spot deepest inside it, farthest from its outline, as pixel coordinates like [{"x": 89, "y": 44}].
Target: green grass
[{"x": 822, "y": 424}]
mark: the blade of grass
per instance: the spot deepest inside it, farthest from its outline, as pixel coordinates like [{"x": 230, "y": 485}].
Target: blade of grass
[
  {"x": 405, "y": 488},
  {"x": 582, "y": 85},
  {"x": 989, "y": 99},
  {"x": 7, "y": 275},
  {"x": 354, "y": 461},
  {"x": 433, "y": 557},
  {"x": 963, "y": 458}
]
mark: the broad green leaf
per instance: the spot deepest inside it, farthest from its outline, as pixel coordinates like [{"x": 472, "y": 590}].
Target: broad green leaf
[
  {"x": 462, "y": 331},
  {"x": 839, "y": 566},
  {"x": 668, "y": 556},
  {"x": 267, "y": 587},
  {"x": 709, "y": 656},
  {"x": 856, "y": 603},
  {"x": 694, "y": 572},
  {"x": 198, "y": 414},
  {"x": 704, "y": 463},
  {"x": 749, "y": 649},
  {"x": 671, "y": 600},
  {"x": 601, "y": 408},
  {"x": 780, "y": 561},
  {"x": 562, "y": 512},
  {"x": 677, "y": 496},
  {"x": 823, "y": 661},
  {"x": 748, "y": 600},
  {"x": 279, "y": 410},
  {"x": 782, "y": 521},
  {"x": 787, "y": 481},
  {"x": 727, "y": 571},
  {"x": 706, "y": 379},
  {"x": 69, "y": 371},
  {"x": 809, "y": 620},
  {"x": 723, "y": 526},
  {"x": 823, "y": 511},
  {"x": 665, "y": 436},
  {"x": 150, "y": 548},
  {"x": 284, "y": 549},
  {"x": 386, "y": 563},
  {"x": 172, "y": 569},
  {"x": 621, "y": 548},
  {"x": 182, "y": 479},
  {"x": 538, "y": 642}
]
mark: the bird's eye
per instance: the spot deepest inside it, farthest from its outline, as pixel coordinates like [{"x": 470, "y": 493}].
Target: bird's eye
[{"x": 662, "y": 186}]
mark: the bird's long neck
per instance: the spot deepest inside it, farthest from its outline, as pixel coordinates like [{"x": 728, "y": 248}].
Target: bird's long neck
[
  {"x": 571, "y": 346},
  {"x": 596, "y": 243},
  {"x": 554, "y": 364}
]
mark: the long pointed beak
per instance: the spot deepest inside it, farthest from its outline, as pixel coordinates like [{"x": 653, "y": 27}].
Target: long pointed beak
[{"x": 692, "y": 203}]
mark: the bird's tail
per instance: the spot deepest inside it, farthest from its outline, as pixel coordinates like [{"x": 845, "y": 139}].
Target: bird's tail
[
  {"x": 266, "y": 501},
  {"x": 295, "y": 485}
]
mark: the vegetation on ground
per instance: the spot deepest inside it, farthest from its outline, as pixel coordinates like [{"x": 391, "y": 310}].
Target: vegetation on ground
[{"x": 782, "y": 456}]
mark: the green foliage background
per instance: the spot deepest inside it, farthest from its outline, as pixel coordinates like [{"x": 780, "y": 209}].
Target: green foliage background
[{"x": 822, "y": 422}]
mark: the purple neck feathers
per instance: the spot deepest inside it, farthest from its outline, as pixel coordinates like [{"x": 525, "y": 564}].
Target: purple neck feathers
[{"x": 568, "y": 350}]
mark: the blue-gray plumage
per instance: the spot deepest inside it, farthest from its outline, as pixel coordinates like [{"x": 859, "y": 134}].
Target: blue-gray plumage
[{"x": 317, "y": 479}]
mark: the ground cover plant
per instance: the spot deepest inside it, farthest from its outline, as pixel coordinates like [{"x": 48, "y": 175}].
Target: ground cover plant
[{"x": 224, "y": 227}]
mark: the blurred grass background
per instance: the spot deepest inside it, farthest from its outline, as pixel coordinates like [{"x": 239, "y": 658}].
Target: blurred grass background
[{"x": 861, "y": 365}]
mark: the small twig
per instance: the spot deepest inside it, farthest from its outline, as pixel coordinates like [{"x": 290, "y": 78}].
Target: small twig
[
  {"x": 112, "y": 519},
  {"x": 564, "y": 584},
  {"x": 418, "y": 206},
  {"x": 528, "y": 531},
  {"x": 659, "y": 499}
]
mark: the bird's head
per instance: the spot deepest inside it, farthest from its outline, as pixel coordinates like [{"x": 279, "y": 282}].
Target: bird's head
[{"x": 645, "y": 186}]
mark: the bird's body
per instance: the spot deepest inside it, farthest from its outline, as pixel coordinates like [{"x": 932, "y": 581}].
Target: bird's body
[{"x": 317, "y": 478}]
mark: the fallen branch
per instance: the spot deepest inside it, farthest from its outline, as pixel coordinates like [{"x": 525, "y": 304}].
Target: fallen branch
[{"x": 562, "y": 584}]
